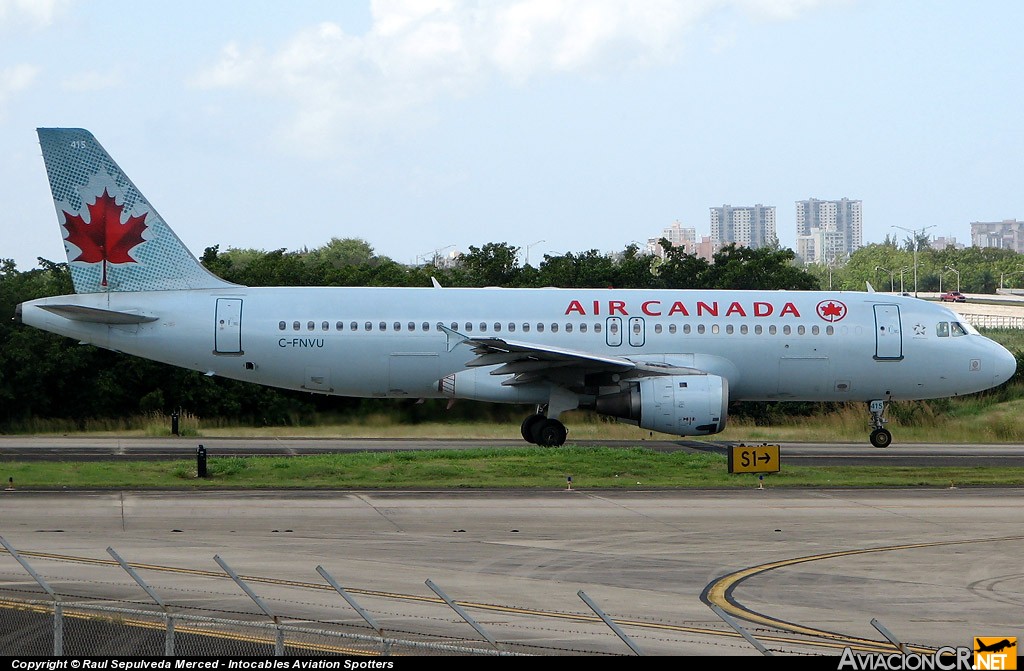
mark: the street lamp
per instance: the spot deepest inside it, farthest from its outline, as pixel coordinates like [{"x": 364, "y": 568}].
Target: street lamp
[
  {"x": 903, "y": 270},
  {"x": 954, "y": 270},
  {"x": 917, "y": 243},
  {"x": 1003, "y": 275},
  {"x": 892, "y": 288},
  {"x": 532, "y": 244}
]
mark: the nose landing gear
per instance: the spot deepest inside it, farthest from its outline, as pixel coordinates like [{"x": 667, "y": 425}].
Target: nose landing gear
[{"x": 880, "y": 436}]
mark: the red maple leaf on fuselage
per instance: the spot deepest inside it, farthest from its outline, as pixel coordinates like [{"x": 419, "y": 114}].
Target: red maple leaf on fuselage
[
  {"x": 104, "y": 238},
  {"x": 831, "y": 310}
]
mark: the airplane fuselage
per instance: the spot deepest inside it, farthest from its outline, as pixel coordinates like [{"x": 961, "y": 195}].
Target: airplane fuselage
[{"x": 389, "y": 342}]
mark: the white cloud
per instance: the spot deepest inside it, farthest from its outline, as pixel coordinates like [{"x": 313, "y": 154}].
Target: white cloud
[
  {"x": 418, "y": 50},
  {"x": 15, "y": 78},
  {"x": 33, "y": 12}
]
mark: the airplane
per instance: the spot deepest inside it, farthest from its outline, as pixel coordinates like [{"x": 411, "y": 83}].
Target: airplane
[
  {"x": 669, "y": 361},
  {"x": 998, "y": 646}
]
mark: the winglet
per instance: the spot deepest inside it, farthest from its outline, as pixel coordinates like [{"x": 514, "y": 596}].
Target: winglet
[
  {"x": 871, "y": 289},
  {"x": 433, "y": 280}
]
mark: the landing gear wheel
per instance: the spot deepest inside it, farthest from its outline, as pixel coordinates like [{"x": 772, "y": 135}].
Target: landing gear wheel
[
  {"x": 529, "y": 424},
  {"x": 881, "y": 438},
  {"x": 549, "y": 433}
]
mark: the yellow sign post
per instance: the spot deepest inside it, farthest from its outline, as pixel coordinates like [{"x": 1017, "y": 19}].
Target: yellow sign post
[{"x": 754, "y": 459}]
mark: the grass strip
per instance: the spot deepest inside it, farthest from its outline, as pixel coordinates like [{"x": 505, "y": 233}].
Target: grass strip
[{"x": 506, "y": 468}]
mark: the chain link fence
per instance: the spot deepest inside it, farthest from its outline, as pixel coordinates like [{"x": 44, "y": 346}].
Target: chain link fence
[{"x": 45, "y": 628}]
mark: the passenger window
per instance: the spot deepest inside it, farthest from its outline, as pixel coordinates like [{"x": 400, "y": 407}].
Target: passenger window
[
  {"x": 800, "y": 330},
  {"x": 657, "y": 328},
  {"x": 340, "y": 326},
  {"x": 700, "y": 328},
  {"x": 568, "y": 328},
  {"x": 526, "y": 328},
  {"x": 281, "y": 326},
  {"x": 325, "y": 326},
  {"x": 497, "y": 327},
  {"x": 469, "y": 327},
  {"x": 540, "y": 328},
  {"x": 672, "y": 329},
  {"x": 412, "y": 326},
  {"x": 310, "y": 325},
  {"x": 455, "y": 327},
  {"x": 957, "y": 329},
  {"x": 425, "y": 326},
  {"x": 583, "y": 328},
  {"x": 728, "y": 329},
  {"x": 636, "y": 328},
  {"x": 815, "y": 330},
  {"x": 438, "y": 326},
  {"x": 295, "y": 326},
  {"x": 786, "y": 330},
  {"x": 758, "y": 329},
  {"x": 354, "y": 326},
  {"x": 398, "y": 326},
  {"x": 830, "y": 330},
  {"x": 511, "y": 327},
  {"x": 942, "y": 329},
  {"x": 743, "y": 329},
  {"x": 597, "y": 328},
  {"x": 483, "y": 327},
  {"x": 772, "y": 330},
  {"x": 686, "y": 329},
  {"x": 369, "y": 326},
  {"x": 384, "y": 326},
  {"x": 714, "y": 328}
]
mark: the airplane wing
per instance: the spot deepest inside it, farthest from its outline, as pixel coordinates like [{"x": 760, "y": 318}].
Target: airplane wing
[{"x": 529, "y": 362}]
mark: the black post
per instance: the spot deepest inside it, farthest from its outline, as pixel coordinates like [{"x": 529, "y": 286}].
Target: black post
[
  {"x": 174, "y": 424},
  {"x": 201, "y": 461}
]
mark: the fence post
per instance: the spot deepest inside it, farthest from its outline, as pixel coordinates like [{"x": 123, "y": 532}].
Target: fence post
[
  {"x": 58, "y": 613},
  {"x": 279, "y": 639}
]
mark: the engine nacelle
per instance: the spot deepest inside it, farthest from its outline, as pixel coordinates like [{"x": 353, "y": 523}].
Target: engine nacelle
[{"x": 682, "y": 405}]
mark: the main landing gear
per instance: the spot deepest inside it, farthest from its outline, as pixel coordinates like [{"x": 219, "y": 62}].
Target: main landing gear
[
  {"x": 880, "y": 436},
  {"x": 541, "y": 430}
]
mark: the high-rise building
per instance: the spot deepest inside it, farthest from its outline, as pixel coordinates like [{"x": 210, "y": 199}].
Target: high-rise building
[
  {"x": 678, "y": 235},
  {"x": 828, "y": 231},
  {"x": 1005, "y": 234},
  {"x": 748, "y": 226}
]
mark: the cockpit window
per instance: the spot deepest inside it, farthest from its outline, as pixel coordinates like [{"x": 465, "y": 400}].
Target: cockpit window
[
  {"x": 957, "y": 329},
  {"x": 942, "y": 329}
]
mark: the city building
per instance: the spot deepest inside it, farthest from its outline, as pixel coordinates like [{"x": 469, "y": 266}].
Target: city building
[
  {"x": 828, "y": 231},
  {"x": 1005, "y": 234},
  {"x": 752, "y": 227},
  {"x": 678, "y": 235}
]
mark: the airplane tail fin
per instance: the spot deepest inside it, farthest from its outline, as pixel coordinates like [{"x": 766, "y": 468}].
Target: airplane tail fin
[{"x": 115, "y": 240}]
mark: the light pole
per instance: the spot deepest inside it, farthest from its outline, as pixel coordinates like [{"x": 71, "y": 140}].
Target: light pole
[
  {"x": 903, "y": 270},
  {"x": 954, "y": 270},
  {"x": 917, "y": 243},
  {"x": 528, "y": 249},
  {"x": 1004, "y": 275},
  {"x": 892, "y": 288}
]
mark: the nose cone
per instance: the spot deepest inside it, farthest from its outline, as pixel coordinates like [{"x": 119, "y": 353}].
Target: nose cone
[{"x": 1004, "y": 366}]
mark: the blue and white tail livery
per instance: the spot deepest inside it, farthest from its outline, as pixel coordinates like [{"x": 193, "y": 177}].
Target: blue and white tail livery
[
  {"x": 114, "y": 238},
  {"x": 666, "y": 360}
]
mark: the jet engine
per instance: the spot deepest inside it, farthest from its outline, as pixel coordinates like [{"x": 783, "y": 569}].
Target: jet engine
[{"x": 682, "y": 405}]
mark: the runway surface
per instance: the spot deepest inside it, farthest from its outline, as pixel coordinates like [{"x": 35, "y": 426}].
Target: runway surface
[
  {"x": 799, "y": 454},
  {"x": 805, "y": 571}
]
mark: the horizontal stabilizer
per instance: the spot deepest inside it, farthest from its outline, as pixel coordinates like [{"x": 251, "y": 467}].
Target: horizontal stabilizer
[{"x": 80, "y": 313}]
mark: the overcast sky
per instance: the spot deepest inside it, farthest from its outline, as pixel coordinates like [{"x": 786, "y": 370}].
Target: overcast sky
[{"x": 558, "y": 125}]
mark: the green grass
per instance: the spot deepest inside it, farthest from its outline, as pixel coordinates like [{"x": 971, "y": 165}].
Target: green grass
[{"x": 526, "y": 468}]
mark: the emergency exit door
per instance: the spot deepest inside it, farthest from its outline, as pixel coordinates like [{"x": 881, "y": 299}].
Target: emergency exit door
[{"x": 228, "y": 328}]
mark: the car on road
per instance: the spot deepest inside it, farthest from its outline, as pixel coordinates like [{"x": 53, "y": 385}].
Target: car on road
[{"x": 953, "y": 297}]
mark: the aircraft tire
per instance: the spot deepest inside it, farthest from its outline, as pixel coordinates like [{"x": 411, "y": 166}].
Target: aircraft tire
[
  {"x": 528, "y": 426},
  {"x": 549, "y": 433},
  {"x": 881, "y": 438}
]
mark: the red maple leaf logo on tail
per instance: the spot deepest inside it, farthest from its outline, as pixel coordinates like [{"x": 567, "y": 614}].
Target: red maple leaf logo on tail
[{"x": 104, "y": 238}]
